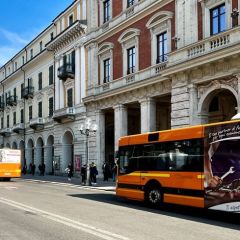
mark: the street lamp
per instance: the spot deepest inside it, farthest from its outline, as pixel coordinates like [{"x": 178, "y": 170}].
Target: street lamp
[{"x": 86, "y": 129}]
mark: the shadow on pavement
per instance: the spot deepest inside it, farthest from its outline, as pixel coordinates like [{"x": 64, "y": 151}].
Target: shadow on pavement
[{"x": 217, "y": 218}]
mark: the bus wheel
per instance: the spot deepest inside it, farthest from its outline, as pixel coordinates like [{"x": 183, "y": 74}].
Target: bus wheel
[{"x": 153, "y": 196}]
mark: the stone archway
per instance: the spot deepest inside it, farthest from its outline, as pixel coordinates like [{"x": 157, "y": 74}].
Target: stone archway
[
  {"x": 49, "y": 154},
  {"x": 39, "y": 152},
  {"x": 67, "y": 150},
  {"x": 8, "y": 145},
  {"x": 22, "y": 148},
  {"x": 218, "y": 105},
  {"x": 30, "y": 152},
  {"x": 14, "y": 145}
]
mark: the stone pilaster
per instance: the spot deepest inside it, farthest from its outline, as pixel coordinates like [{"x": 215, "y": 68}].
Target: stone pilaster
[
  {"x": 77, "y": 81},
  {"x": 148, "y": 115},
  {"x": 100, "y": 138},
  {"x": 120, "y": 123}
]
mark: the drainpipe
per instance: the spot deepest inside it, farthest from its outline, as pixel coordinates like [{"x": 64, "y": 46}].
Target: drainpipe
[
  {"x": 24, "y": 132},
  {"x": 3, "y": 108}
]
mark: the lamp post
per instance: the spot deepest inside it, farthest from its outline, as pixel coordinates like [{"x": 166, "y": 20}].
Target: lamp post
[{"x": 86, "y": 129}]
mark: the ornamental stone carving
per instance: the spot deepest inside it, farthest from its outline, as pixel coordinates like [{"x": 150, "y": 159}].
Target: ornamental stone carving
[{"x": 217, "y": 84}]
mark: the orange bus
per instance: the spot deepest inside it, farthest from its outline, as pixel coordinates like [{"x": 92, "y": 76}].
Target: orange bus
[
  {"x": 196, "y": 166},
  {"x": 10, "y": 164}
]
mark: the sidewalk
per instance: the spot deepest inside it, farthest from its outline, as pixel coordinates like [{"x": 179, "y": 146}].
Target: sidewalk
[{"x": 102, "y": 185}]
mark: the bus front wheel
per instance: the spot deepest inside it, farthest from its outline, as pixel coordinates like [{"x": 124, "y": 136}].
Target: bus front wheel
[{"x": 153, "y": 196}]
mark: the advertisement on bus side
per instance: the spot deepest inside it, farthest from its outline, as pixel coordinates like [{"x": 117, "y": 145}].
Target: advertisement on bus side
[
  {"x": 222, "y": 167},
  {"x": 10, "y": 156}
]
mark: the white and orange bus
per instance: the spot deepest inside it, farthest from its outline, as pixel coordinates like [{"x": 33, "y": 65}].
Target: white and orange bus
[
  {"x": 196, "y": 166},
  {"x": 10, "y": 164}
]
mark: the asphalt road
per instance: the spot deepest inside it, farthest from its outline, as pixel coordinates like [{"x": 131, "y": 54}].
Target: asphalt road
[{"x": 37, "y": 211}]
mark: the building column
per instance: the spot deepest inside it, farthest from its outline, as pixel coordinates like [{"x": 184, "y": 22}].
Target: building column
[
  {"x": 77, "y": 76},
  {"x": 120, "y": 123},
  {"x": 193, "y": 105},
  {"x": 57, "y": 85},
  {"x": 148, "y": 115},
  {"x": 83, "y": 74},
  {"x": 100, "y": 138}
]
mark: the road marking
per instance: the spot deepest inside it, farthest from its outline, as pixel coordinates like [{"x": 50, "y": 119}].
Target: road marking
[
  {"x": 109, "y": 189},
  {"x": 66, "y": 221}
]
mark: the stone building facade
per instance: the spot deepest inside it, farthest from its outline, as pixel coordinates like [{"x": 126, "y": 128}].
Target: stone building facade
[{"x": 140, "y": 66}]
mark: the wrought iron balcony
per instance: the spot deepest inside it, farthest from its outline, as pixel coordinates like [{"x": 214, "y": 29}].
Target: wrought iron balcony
[
  {"x": 6, "y": 132},
  {"x": 66, "y": 71},
  {"x": 1, "y": 106},
  {"x": 18, "y": 128},
  {"x": 27, "y": 92},
  {"x": 11, "y": 100},
  {"x": 36, "y": 123},
  {"x": 64, "y": 115}
]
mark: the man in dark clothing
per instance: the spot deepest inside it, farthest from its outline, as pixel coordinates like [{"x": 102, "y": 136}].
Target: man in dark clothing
[
  {"x": 105, "y": 169},
  {"x": 84, "y": 173}
]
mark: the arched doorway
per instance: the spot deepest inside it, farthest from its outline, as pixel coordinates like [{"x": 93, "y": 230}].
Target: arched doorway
[
  {"x": 67, "y": 147},
  {"x": 39, "y": 152},
  {"x": 30, "y": 152},
  {"x": 21, "y": 147},
  {"x": 49, "y": 154},
  {"x": 14, "y": 145},
  {"x": 219, "y": 105},
  {"x": 8, "y": 145}
]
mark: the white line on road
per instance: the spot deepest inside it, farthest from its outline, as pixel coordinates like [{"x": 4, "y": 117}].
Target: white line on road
[
  {"x": 110, "y": 190},
  {"x": 66, "y": 221}
]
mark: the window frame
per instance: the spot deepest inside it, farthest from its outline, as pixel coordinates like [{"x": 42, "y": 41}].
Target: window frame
[
  {"x": 129, "y": 39},
  {"x": 40, "y": 81},
  {"x": 50, "y": 109},
  {"x": 106, "y": 11},
  {"x": 40, "y": 109},
  {"x": 131, "y": 60},
  {"x": 161, "y": 40},
  {"x": 105, "y": 52},
  {"x": 30, "y": 112},
  {"x": 212, "y": 18},
  {"x": 158, "y": 24}
]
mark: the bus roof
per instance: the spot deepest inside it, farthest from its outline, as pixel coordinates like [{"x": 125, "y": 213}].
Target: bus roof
[{"x": 191, "y": 132}]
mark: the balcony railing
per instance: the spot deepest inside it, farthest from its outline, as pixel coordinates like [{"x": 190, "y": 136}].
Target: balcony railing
[
  {"x": 6, "y": 132},
  {"x": 64, "y": 115},
  {"x": 18, "y": 128},
  {"x": 209, "y": 45},
  {"x": 36, "y": 123},
  {"x": 12, "y": 100},
  {"x": 66, "y": 71},
  {"x": 27, "y": 92}
]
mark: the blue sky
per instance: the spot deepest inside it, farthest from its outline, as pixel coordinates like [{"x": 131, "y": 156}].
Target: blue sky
[{"x": 23, "y": 20}]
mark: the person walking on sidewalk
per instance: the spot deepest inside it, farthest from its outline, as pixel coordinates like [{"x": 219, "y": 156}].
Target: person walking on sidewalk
[
  {"x": 114, "y": 172},
  {"x": 93, "y": 173},
  {"x": 105, "y": 169},
  {"x": 84, "y": 173},
  {"x": 69, "y": 171}
]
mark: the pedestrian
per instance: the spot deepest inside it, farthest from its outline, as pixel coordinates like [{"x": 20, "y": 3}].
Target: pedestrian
[
  {"x": 40, "y": 169},
  {"x": 43, "y": 168},
  {"x": 33, "y": 167},
  {"x": 84, "y": 173},
  {"x": 24, "y": 170},
  {"x": 69, "y": 171},
  {"x": 93, "y": 173},
  {"x": 114, "y": 172},
  {"x": 105, "y": 168}
]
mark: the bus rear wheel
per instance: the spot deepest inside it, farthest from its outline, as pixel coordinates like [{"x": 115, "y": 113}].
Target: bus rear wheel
[{"x": 153, "y": 196}]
